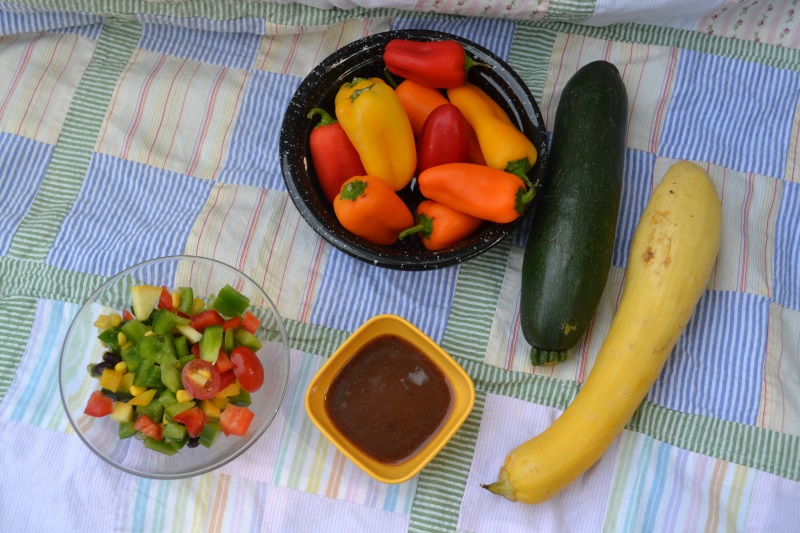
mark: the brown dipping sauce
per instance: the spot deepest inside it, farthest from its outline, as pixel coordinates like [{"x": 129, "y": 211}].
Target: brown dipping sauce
[{"x": 389, "y": 399}]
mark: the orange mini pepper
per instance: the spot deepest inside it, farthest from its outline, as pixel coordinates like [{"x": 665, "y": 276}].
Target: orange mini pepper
[
  {"x": 504, "y": 146},
  {"x": 369, "y": 208},
  {"x": 440, "y": 226},
  {"x": 477, "y": 190},
  {"x": 418, "y": 101}
]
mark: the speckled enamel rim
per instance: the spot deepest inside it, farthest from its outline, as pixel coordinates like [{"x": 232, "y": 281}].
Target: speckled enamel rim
[{"x": 363, "y": 58}]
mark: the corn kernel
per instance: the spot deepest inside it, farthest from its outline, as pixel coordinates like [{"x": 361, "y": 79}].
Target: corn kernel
[
  {"x": 183, "y": 396},
  {"x": 126, "y": 382},
  {"x": 126, "y": 346},
  {"x": 115, "y": 319},
  {"x": 102, "y": 322},
  {"x": 121, "y": 367},
  {"x": 197, "y": 306},
  {"x": 150, "y": 334},
  {"x": 176, "y": 299},
  {"x": 136, "y": 390},
  {"x": 122, "y": 339}
]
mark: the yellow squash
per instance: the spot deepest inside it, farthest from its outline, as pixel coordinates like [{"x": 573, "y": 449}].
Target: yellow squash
[{"x": 670, "y": 260}]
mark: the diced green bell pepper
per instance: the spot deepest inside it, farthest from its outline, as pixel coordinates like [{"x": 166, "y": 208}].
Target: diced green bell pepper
[
  {"x": 110, "y": 337},
  {"x": 211, "y": 343},
  {"x": 229, "y": 341},
  {"x": 181, "y": 347},
  {"x": 187, "y": 295},
  {"x": 160, "y": 446},
  {"x": 174, "y": 431},
  {"x": 185, "y": 359},
  {"x": 230, "y": 302},
  {"x": 245, "y": 338},
  {"x": 154, "y": 410},
  {"x": 126, "y": 430},
  {"x": 132, "y": 358},
  {"x": 133, "y": 330},
  {"x": 241, "y": 399},
  {"x": 164, "y": 321},
  {"x": 177, "y": 408},
  {"x": 171, "y": 378},
  {"x": 167, "y": 397},
  {"x": 209, "y": 433},
  {"x": 150, "y": 347},
  {"x": 148, "y": 375}
]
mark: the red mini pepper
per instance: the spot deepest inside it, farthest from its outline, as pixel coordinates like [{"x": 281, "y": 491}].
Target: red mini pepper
[
  {"x": 437, "y": 64},
  {"x": 480, "y": 191},
  {"x": 333, "y": 155},
  {"x": 444, "y": 138},
  {"x": 440, "y": 226},
  {"x": 369, "y": 208}
]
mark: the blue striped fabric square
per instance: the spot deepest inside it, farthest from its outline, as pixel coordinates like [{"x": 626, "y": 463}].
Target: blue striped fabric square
[
  {"x": 716, "y": 369},
  {"x": 16, "y": 19},
  {"x": 637, "y": 183},
  {"x": 126, "y": 213},
  {"x": 494, "y": 34},
  {"x": 253, "y": 153},
  {"x": 731, "y": 112},
  {"x": 352, "y": 292},
  {"x": 786, "y": 267},
  {"x": 228, "y": 43},
  {"x": 24, "y": 162}
]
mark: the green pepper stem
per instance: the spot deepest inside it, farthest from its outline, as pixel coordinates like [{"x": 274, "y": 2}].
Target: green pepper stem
[
  {"x": 390, "y": 79},
  {"x": 520, "y": 168},
  {"x": 325, "y": 118},
  {"x": 469, "y": 63},
  {"x": 352, "y": 190},
  {"x": 523, "y": 199},
  {"x": 358, "y": 92},
  {"x": 424, "y": 226}
]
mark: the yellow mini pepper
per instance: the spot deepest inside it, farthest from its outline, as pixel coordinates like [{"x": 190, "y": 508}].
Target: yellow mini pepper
[
  {"x": 376, "y": 123},
  {"x": 504, "y": 146}
]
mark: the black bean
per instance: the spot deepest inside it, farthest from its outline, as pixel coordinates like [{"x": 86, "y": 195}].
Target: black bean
[
  {"x": 194, "y": 442},
  {"x": 97, "y": 369},
  {"x": 111, "y": 357}
]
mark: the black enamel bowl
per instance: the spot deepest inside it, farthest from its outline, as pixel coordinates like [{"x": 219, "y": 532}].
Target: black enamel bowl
[{"x": 363, "y": 58}]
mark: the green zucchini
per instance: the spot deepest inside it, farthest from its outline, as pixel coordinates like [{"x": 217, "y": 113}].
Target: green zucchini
[{"x": 571, "y": 240}]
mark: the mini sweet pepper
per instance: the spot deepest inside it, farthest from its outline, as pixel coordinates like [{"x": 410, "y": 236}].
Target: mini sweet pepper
[
  {"x": 367, "y": 207},
  {"x": 376, "y": 123}
]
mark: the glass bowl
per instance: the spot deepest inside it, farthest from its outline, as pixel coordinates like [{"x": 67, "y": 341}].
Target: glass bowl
[
  {"x": 82, "y": 348},
  {"x": 364, "y": 58}
]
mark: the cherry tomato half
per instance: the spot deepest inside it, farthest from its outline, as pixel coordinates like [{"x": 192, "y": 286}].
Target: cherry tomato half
[
  {"x": 201, "y": 379},
  {"x": 247, "y": 368}
]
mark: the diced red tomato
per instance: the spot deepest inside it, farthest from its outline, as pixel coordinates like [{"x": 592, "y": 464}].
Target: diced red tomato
[
  {"x": 181, "y": 313},
  {"x": 194, "y": 419},
  {"x": 165, "y": 301},
  {"x": 227, "y": 378},
  {"x": 223, "y": 363},
  {"x": 206, "y": 318},
  {"x": 235, "y": 420},
  {"x": 247, "y": 368},
  {"x": 127, "y": 315},
  {"x": 201, "y": 379},
  {"x": 99, "y": 405},
  {"x": 233, "y": 323},
  {"x": 145, "y": 425},
  {"x": 195, "y": 349},
  {"x": 250, "y": 322}
]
